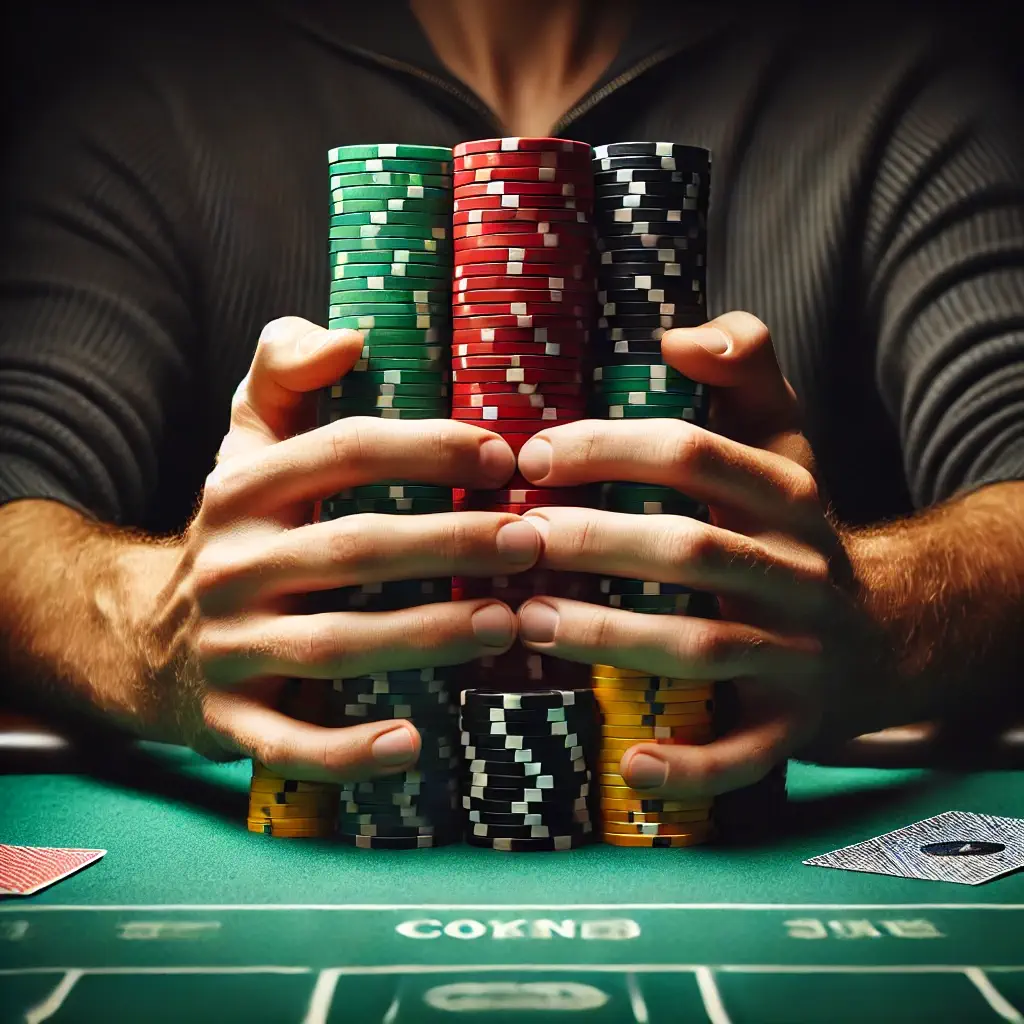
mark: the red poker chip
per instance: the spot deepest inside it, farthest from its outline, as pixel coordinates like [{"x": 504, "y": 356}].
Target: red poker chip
[
  {"x": 515, "y": 375},
  {"x": 514, "y": 202},
  {"x": 486, "y": 414},
  {"x": 509, "y": 295},
  {"x": 564, "y": 228},
  {"x": 572, "y": 335},
  {"x": 509, "y": 213},
  {"x": 482, "y": 359},
  {"x": 568, "y": 160},
  {"x": 538, "y": 144},
  {"x": 573, "y": 405},
  {"x": 549, "y": 389},
  {"x": 477, "y": 322},
  {"x": 579, "y": 176},
  {"x": 519, "y": 348},
  {"x": 504, "y": 187},
  {"x": 560, "y": 242},
  {"x": 519, "y": 268},
  {"x": 525, "y": 283},
  {"x": 519, "y": 309},
  {"x": 515, "y": 254},
  {"x": 524, "y": 495}
]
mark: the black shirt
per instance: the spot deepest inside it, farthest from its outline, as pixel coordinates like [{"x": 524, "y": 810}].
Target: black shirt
[{"x": 867, "y": 204}]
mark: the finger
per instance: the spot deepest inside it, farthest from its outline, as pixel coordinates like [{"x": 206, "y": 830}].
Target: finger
[
  {"x": 705, "y": 466},
  {"x": 680, "y": 550},
  {"x": 351, "y": 452},
  {"x": 740, "y": 758},
  {"x": 753, "y": 402},
  {"x": 299, "y": 750},
  {"x": 293, "y": 358},
  {"x": 339, "y": 645},
  {"x": 360, "y": 549},
  {"x": 661, "y": 645}
]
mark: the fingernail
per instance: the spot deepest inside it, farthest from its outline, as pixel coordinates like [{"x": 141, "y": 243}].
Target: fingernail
[
  {"x": 645, "y": 772},
  {"x": 710, "y": 338},
  {"x": 540, "y": 524},
  {"x": 538, "y": 622},
  {"x": 535, "y": 459},
  {"x": 493, "y": 625},
  {"x": 518, "y": 542},
  {"x": 496, "y": 460},
  {"x": 394, "y": 747}
]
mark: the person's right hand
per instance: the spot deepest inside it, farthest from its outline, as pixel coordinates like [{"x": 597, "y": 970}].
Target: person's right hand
[{"x": 231, "y": 622}]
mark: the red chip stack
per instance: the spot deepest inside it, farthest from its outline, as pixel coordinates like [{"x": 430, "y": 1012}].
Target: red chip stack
[{"x": 523, "y": 307}]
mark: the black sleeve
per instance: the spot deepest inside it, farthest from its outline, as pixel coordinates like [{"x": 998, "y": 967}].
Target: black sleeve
[
  {"x": 945, "y": 263},
  {"x": 97, "y": 336}
]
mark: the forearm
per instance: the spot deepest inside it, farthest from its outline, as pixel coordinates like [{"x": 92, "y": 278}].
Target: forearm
[
  {"x": 946, "y": 589},
  {"x": 75, "y": 598}
]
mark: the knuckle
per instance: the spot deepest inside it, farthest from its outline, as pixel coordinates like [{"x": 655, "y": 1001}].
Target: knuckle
[
  {"x": 350, "y": 542},
  {"x": 213, "y": 568},
  {"x": 598, "y": 630},
  {"x": 690, "y": 545},
  {"x": 802, "y": 488},
  {"x": 319, "y": 649},
  {"x": 686, "y": 446},
  {"x": 706, "y": 644}
]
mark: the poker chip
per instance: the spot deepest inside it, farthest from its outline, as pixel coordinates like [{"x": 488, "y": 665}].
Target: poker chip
[
  {"x": 389, "y": 151},
  {"x": 515, "y": 375},
  {"x": 577, "y": 231},
  {"x": 523, "y": 189},
  {"x": 550, "y": 215},
  {"x": 522, "y": 253},
  {"x": 567, "y": 161},
  {"x": 524, "y": 145},
  {"x": 432, "y": 236}
]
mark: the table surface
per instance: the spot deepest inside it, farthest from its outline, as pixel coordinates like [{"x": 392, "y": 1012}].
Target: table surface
[{"x": 189, "y": 917}]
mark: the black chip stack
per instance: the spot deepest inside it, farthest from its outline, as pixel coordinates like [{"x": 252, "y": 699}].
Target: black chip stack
[{"x": 527, "y": 782}]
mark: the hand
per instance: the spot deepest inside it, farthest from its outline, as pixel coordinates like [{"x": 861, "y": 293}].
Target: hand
[
  {"x": 790, "y": 633},
  {"x": 229, "y": 620}
]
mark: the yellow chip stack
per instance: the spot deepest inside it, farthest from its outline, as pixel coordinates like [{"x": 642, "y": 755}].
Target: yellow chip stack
[
  {"x": 286, "y": 807},
  {"x": 638, "y": 708}
]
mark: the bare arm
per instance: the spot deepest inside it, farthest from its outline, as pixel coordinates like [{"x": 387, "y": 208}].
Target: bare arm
[
  {"x": 74, "y": 595},
  {"x": 947, "y": 589}
]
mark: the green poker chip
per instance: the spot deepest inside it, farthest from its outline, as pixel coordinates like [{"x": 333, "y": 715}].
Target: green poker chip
[
  {"x": 667, "y": 507},
  {"x": 389, "y": 151},
  {"x": 393, "y": 376},
  {"x": 376, "y": 249},
  {"x": 377, "y": 255},
  {"x": 393, "y": 218},
  {"x": 383, "y": 336},
  {"x": 387, "y": 414},
  {"x": 345, "y": 291},
  {"x": 415, "y": 271},
  {"x": 652, "y": 412},
  {"x": 652, "y": 605},
  {"x": 345, "y": 235},
  {"x": 432, "y": 207},
  {"x": 339, "y": 509},
  {"x": 393, "y": 179},
  {"x": 433, "y": 353},
  {"x": 396, "y": 308},
  {"x": 642, "y": 492},
  {"x": 406, "y": 288},
  {"x": 378, "y": 165},
  {"x": 376, "y": 193},
  {"x": 358, "y": 323},
  {"x": 402, "y": 363},
  {"x": 637, "y": 396},
  {"x": 629, "y": 371},
  {"x": 346, "y": 391},
  {"x": 439, "y": 406},
  {"x": 641, "y": 588}
]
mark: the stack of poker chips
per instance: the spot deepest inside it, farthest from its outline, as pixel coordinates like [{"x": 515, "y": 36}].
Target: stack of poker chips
[
  {"x": 523, "y": 310},
  {"x": 650, "y": 209},
  {"x": 288, "y": 808},
  {"x": 527, "y": 783},
  {"x": 390, "y": 270}
]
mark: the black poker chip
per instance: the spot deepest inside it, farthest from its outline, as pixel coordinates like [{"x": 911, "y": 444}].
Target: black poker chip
[
  {"x": 604, "y": 176},
  {"x": 685, "y": 244},
  {"x": 482, "y": 831},
  {"x": 533, "y": 716},
  {"x": 655, "y": 164},
  {"x": 518, "y": 794},
  {"x": 614, "y": 308},
  {"x": 425, "y": 698},
  {"x": 628, "y": 271},
  {"x": 518, "y": 755},
  {"x": 565, "y": 782},
  {"x": 676, "y": 150},
  {"x": 527, "y": 701},
  {"x": 636, "y": 322},
  {"x": 526, "y": 769},
  {"x": 645, "y": 255},
  {"x": 554, "y": 817},
  {"x": 664, "y": 191},
  {"x": 532, "y": 845},
  {"x": 564, "y": 806},
  {"x": 527, "y": 731},
  {"x": 400, "y": 843},
  {"x": 691, "y": 225},
  {"x": 622, "y": 210}
]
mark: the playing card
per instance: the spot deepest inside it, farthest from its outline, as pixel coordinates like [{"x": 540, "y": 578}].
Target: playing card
[
  {"x": 25, "y": 870},
  {"x": 956, "y": 846}
]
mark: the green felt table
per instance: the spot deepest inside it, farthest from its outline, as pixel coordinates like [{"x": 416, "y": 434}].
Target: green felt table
[{"x": 191, "y": 918}]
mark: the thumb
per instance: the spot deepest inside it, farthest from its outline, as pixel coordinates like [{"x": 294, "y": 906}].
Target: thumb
[
  {"x": 293, "y": 358},
  {"x": 733, "y": 353}
]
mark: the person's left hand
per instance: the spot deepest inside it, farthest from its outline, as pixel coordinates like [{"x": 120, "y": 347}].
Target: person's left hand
[{"x": 791, "y": 634}]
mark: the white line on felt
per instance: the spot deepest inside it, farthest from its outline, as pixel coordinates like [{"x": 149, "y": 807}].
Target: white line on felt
[
  {"x": 54, "y": 1001},
  {"x": 993, "y": 996},
  {"x": 386, "y": 969},
  {"x": 711, "y": 997},
  {"x": 636, "y": 1000},
  {"x": 320, "y": 999},
  {"x": 391, "y": 1014},
  {"x": 362, "y": 907}
]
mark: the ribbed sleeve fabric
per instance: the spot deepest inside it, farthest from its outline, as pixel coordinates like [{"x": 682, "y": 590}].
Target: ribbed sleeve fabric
[{"x": 867, "y": 204}]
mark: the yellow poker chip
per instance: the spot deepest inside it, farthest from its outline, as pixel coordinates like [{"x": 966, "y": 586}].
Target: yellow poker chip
[
  {"x": 657, "y": 842},
  {"x": 641, "y": 817},
  {"x": 291, "y": 787},
  {"x": 612, "y": 748},
  {"x": 612, "y": 672},
  {"x": 687, "y": 706},
  {"x": 671, "y": 721},
  {"x": 654, "y": 828},
  {"x": 294, "y": 799},
  {"x": 287, "y": 829},
  {"x": 260, "y": 771},
  {"x": 647, "y": 682},
  {"x": 616, "y": 804},
  {"x": 622, "y": 791},
  {"x": 642, "y": 733},
  {"x": 259, "y": 809}
]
